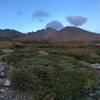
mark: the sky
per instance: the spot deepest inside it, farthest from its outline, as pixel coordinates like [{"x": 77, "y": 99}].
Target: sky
[{"x": 32, "y": 15}]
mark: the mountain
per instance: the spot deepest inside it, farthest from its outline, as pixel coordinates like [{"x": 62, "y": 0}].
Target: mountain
[
  {"x": 43, "y": 34},
  {"x": 69, "y": 33},
  {"x": 8, "y": 33},
  {"x": 49, "y": 34},
  {"x": 74, "y": 34}
]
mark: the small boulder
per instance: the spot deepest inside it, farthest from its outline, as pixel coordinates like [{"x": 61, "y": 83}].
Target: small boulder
[
  {"x": 7, "y": 83},
  {"x": 1, "y": 67},
  {"x": 2, "y": 75},
  {"x": 2, "y": 98},
  {"x": 2, "y": 91}
]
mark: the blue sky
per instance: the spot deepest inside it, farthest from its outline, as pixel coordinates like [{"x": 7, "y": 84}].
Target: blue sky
[{"x": 18, "y": 14}]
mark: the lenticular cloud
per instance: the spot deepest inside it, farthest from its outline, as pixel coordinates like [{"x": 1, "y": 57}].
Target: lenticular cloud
[
  {"x": 40, "y": 15},
  {"x": 77, "y": 20},
  {"x": 55, "y": 25}
]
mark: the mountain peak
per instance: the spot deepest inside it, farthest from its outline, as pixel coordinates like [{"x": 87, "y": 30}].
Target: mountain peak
[
  {"x": 71, "y": 33},
  {"x": 73, "y": 28}
]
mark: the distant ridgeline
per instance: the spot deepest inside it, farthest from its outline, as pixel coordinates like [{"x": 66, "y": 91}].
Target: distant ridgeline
[
  {"x": 8, "y": 33},
  {"x": 66, "y": 34}
]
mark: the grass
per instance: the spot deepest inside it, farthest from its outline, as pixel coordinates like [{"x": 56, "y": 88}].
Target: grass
[{"x": 51, "y": 70}]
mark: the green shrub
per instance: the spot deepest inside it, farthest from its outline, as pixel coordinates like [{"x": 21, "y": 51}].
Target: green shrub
[
  {"x": 62, "y": 74},
  {"x": 20, "y": 54},
  {"x": 59, "y": 81}
]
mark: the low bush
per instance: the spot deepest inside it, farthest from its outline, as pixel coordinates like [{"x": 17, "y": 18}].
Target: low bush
[{"x": 57, "y": 81}]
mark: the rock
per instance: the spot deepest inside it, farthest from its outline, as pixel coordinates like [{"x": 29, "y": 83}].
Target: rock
[
  {"x": 92, "y": 94},
  {"x": 2, "y": 98},
  {"x": 2, "y": 75},
  {"x": 2, "y": 90},
  {"x": 7, "y": 83},
  {"x": 43, "y": 52},
  {"x": 95, "y": 66},
  {"x": 2, "y": 81},
  {"x": 7, "y": 50},
  {"x": 1, "y": 67}
]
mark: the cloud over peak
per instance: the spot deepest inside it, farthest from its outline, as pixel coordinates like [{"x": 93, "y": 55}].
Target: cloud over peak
[
  {"x": 57, "y": 25},
  {"x": 77, "y": 20}
]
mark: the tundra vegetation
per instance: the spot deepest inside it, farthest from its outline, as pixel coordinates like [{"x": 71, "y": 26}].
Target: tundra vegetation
[{"x": 53, "y": 71}]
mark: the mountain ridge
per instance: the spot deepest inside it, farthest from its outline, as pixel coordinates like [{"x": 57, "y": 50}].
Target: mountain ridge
[
  {"x": 75, "y": 34},
  {"x": 69, "y": 33}
]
